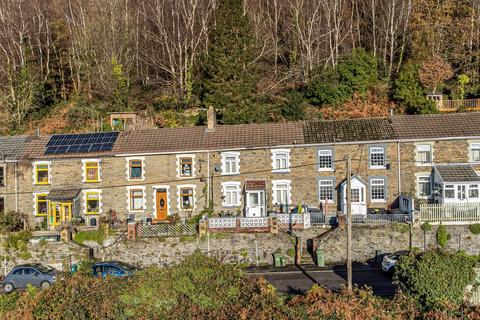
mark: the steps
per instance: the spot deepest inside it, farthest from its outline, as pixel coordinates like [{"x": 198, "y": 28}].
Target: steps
[{"x": 306, "y": 258}]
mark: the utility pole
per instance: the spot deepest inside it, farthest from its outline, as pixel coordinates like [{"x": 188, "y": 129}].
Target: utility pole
[{"x": 349, "y": 223}]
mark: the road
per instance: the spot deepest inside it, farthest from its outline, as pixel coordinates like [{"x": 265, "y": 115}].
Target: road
[{"x": 299, "y": 281}]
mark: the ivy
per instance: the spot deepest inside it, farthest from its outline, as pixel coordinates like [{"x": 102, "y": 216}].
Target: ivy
[{"x": 442, "y": 236}]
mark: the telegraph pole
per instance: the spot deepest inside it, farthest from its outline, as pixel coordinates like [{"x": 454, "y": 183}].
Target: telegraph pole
[{"x": 349, "y": 223}]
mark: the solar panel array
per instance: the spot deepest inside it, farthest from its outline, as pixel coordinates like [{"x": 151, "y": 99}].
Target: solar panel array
[{"x": 81, "y": 143}]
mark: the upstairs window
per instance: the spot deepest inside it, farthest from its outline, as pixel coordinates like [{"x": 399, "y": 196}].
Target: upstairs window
[
  {"x": 230, "y": 163},
  {"x": 92, "y": 171},
  {"x": 475, "y": 152},
  {"x": 377, "y": 157},
  {"x": 2, "y": 176},
  {"x": 325, "y": 160},
  {"x": 281, "y": 160},
  {"x": 42, "y": 174},
  {"x": 186, "y": 166},
  {"x": 135, "y": 169},
  {"x": 424, "y": 154}
]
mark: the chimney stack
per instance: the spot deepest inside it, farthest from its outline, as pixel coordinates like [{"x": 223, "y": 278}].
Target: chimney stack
[{"x": 211, "y": 119}]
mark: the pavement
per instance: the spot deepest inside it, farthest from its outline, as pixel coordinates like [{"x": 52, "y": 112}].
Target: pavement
[{"x": 294, "y": 279}]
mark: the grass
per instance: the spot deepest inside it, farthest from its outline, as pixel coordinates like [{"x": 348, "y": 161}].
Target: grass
[{"x": 95, "y": 235}]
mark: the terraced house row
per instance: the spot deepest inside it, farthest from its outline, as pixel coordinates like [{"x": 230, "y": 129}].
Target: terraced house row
[{"x": 247, "y": 170}]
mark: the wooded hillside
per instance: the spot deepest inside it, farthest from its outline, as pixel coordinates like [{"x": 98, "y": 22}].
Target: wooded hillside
[{"x": 64, "y": 64}]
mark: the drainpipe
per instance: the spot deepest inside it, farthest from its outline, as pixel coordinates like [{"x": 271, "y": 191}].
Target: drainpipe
[
  {"x": 208, "y": 178},
  {"x": 399, "y": 169},
  {"x": 16, "y": 186}
]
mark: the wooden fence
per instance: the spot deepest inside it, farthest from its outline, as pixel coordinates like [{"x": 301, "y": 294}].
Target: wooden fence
[{"x": 464, "y": 213}]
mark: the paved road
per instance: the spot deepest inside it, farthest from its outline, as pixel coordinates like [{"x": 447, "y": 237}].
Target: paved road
[{"x": 297, "y": 282}]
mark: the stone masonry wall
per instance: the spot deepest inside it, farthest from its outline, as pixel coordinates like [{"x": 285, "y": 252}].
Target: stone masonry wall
[{"x": 389, "y": 238}]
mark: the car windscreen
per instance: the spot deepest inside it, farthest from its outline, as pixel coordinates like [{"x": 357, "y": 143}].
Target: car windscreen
[{"x": 43, "y": 269}]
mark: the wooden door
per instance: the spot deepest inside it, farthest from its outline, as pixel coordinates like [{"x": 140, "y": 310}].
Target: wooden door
[{"x": 162, "y": 205}]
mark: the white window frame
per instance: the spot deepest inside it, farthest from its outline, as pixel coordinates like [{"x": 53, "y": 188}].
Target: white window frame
[
  {"x": 474, "y": 187},
  {"x": 85, "y": 192},
  {"x": 49, "y": 164},
  {"x": 226, "y": 155},
  {"x": 144, "y": 203},
  {"x": 374, "y": 150},
  {"x": 326, "y": 152},
  {"x": 128, "y": 167},
  {"x": 277, "y": 152},
  {"x": 179, "y": 156},
  {"x": 452, "y": 188},
  {"x": 84, "y": 169},
  {"x": 332, "y": 185},
  {"x": 473, "y": 146},
  {"x": 422, "y": 176},
  {"x": 275, "y": 184},
  {"x": 179, "y": 200},
  {"x": 231, "y": 184},
  {"x": 422, "y": 148},
  {"x": 372, "y": 183}
]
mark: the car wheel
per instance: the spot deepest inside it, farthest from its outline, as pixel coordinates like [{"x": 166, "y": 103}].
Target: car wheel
[
  {"x": 45, "y": 285},
  {"x": 8, "y": 287}
]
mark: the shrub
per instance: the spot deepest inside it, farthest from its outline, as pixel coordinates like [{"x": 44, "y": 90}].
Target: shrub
[
  {"x": 436, "y": 278},
  {"x": 18, "y": 240},
  {"x": 426, "y": 226},
  {"x": 442, "y": 236},
  {"x": 355, "y": 73},
  {"x": 291, "y": 252},
  {"x": 8, "y": 302},
  {"x": 10, "y": 221},
  {"x": 474, "y": 228}
]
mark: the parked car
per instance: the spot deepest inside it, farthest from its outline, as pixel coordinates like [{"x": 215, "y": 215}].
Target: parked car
[
  {"x": 390, "y": 260},
  {"x": 35, "y": 274},
  {"x": 113, "y": 269}
]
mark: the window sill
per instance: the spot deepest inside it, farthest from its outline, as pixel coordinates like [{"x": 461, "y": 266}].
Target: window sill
[
  {"x": 92, "y": 213},
  {"x": 42, "y": 184},
  {"x": 40, "y": 215},
  {"x": 420, "y": 164},
  {"x": 231, "y": 174},
  {"x": 378, "y": 201},
  {"x": 377, "y": 167},
  {"x": 185, "y": 177},
  {"x": 136, "y": 211},
  {"x": 231, "y": 205},
  {"x": 280, "y": 171},
  {"x": 326, "y": 170},
  {"x": 135, "y": 179}
]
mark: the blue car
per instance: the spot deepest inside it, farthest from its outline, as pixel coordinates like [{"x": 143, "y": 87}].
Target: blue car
[
  {"x": 35, "y": 274},
  {"x": 113, "y": 269}
]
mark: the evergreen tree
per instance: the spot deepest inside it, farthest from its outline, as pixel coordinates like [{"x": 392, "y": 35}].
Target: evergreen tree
[
  {"x": 409, "y": 92},
  {"x": 229, "y": 77}
]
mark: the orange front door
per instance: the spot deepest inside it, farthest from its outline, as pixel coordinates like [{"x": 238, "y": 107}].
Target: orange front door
[{"x": 162, "y": 206}]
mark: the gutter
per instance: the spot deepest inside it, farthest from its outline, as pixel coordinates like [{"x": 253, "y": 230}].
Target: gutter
[{"x": 399, "y": 163}]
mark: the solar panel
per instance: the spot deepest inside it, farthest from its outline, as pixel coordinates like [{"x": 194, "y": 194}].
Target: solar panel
[{"x": 81, "y": 143}]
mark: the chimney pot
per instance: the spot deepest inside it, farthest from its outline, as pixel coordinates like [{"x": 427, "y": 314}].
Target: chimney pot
[{"x": 211, "y": 119}]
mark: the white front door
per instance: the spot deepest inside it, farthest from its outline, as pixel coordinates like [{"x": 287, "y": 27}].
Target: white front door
[
  {"x": 255, "y": 204},
  {"x": 359, "y": 205}
]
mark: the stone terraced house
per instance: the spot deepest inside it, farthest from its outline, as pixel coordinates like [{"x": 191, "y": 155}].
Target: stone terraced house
[{"x": 249, "y": 170}]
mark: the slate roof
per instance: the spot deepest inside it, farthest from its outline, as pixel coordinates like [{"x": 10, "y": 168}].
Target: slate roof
[
  {"x": 270, "y": 135},
  {"x": 436, "y": 125},
  {"x": 12, "y": 148},
  {"x": 457, "y": 173},
  {"x": 59, "y": 195}
]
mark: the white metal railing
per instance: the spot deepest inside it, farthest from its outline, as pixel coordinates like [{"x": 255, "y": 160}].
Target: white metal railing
[
  {"x": 381, "y": 218},
  {"x": 254, "y": 222},
  {"x": 222, "y": 223},
  {"x": 453, "y": 105},
  {"x": 450, "y": 213}
]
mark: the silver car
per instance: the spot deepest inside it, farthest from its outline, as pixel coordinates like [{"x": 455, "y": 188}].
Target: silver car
[
  {"x": 389, "y": 261},
  {"x": 35, "y": 274}
]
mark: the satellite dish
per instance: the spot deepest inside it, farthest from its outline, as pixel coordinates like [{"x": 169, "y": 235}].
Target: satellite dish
[{"x": 216, "y": 168}]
